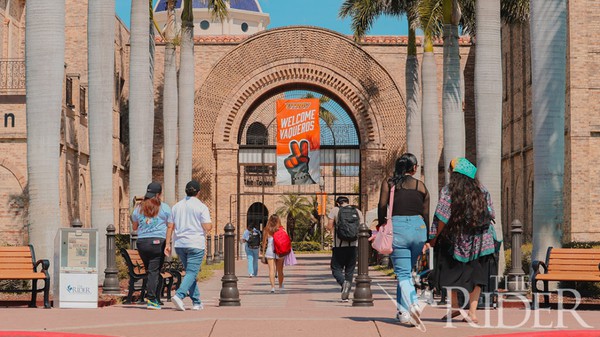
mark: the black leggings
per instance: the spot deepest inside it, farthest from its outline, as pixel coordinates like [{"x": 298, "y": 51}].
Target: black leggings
[{"x": 152, "y": 253}]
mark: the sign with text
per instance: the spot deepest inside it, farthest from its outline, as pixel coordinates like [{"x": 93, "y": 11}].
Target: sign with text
[{"x": 298, "y": 141}]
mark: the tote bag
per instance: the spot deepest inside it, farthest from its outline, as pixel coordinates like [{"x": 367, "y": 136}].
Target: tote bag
[{"x": 383, "y": 241}]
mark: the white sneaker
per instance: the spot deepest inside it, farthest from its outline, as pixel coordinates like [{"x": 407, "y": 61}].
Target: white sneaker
[
  {"x": 272, "y": 290},
  {"x": 198, "y": 307},
  {"x": 414, "y": 315},
  {"x": 402, "y": 317},
  {"x": 281, "y": 288},
  {"x": 178, "y": 303}
]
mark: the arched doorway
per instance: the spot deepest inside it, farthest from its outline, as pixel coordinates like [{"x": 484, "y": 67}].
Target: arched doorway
[{"x": 257, "y": 215}]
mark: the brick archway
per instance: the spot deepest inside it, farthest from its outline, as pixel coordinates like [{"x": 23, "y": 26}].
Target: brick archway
[{"x": 284, "y": 59}]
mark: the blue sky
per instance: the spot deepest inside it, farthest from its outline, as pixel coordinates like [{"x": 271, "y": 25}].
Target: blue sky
[{"x": 321, "y": 13}]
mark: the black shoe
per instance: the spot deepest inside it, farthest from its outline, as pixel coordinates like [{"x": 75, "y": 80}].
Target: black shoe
[{"x": 346, "y": 290}]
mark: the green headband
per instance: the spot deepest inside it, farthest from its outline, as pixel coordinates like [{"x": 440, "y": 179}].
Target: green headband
[{"x": 464, "y": 166}]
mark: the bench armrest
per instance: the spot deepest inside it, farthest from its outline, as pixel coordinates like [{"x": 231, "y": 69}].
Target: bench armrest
[
  {"x": 536, "y": 267},
  {"x": 45, "y": 265}
]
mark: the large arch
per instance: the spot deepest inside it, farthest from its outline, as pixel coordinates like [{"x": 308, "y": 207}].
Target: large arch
[{"x": 291, "y": 58}]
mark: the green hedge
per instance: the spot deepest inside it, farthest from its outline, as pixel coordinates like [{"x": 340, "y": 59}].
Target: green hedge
[{"x": 306, "y": 246}]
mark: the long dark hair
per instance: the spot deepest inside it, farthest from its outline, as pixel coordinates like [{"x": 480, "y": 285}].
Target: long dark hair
[
  {"x": 469, "y": 209},
  {"x": 405, "y": 164}
]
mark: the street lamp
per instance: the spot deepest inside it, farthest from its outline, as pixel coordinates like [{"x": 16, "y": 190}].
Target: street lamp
[{"x": 322, "y": 208}]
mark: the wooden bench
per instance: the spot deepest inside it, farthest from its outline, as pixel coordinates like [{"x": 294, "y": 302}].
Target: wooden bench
[
  {"x": 175, "y": 267},
  {"x": 566, "y": 264},
  {"x": 137, "y": 271},
  {"x": 18, "y": 263}
]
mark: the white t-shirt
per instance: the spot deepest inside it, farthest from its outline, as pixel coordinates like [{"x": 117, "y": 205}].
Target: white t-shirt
[{"x": 188, "y": 216}]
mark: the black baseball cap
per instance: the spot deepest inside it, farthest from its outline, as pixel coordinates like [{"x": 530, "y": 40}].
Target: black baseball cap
[
  {"x": 193, "y": 187},
  {"x": 153, "y": 189}
]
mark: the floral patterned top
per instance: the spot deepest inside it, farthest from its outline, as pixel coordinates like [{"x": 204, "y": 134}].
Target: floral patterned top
[{"x": 467, "y": 247}]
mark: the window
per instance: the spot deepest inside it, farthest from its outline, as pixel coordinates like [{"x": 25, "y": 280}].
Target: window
[
  {"x": 204, "y": 25},
  {"x": 69, "y": 93},
  {"x": 244, "y": 27},
  {"x": 82, "y": 108},
  {"x": 257, "y": 134}
]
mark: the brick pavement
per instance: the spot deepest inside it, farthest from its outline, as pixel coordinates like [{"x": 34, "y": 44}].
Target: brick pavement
[{"x": 309, "y": 306}]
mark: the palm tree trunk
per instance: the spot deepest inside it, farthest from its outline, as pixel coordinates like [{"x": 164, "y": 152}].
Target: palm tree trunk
[
  {"x": 453, "y": 116},
  {"x": 44, "y": 59},
  {"x": 101, "y": 21},
  {"x": 186, "y": 100},
  {"x": 414, "y": 136},
  {"x": 170, "y": 107},
  {"x": 140, "y": 119},
  {"x": 488, "y": 105},
  {"x": 431, "y": 122},
  {"x": 548, "y": 69}
]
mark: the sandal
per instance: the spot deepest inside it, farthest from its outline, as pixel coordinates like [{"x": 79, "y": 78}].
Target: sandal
[{"x": 454, "y": 314}]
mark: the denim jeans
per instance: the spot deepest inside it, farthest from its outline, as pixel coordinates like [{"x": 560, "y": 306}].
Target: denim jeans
[
  {"x": 252, "y": 254},
  {"x": 191, "y": 258},
  {"x": 409, "y": 237}
]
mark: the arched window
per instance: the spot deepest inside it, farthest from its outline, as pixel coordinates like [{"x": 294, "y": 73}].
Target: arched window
[{"x": 257, "y": 134}]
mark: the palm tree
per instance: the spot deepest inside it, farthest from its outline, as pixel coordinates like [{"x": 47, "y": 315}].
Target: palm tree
[
  {"x": 187, "y": 86},
  {"x": 140, "y": 118},
  {"x": 170, "y": 107},
  {"x": 363, "y": 14},
  {"x": 44, "y": 59},
  {"x": 428, "y": 13},
  {"x": 548, "y": 69},
  {"x": 101, "y": 24},
  {"x": 296, "y": 209}
]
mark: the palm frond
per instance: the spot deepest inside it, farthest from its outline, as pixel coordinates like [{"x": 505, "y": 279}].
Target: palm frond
[
  {"x": 429, "y": 14},
  {"x": 218, "y": 8},
  {"x": 468, "y": 19},
  {"x": 514, "y": 11}
]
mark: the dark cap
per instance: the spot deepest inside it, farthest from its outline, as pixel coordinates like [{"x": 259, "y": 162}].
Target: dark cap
[
  {"x": 342, "y": 200},
  {"x": 192, "y": 188},
  {"x": 153, "y": 189}
]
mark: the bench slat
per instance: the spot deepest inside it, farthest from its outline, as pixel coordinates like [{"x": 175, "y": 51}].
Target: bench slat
[
  {"x": 15, "y": 249},
  {"x": 569, "y": 277},
  {"x": 15, "y": 254},
  {"x": 575, "y": 258},
  {"x": 572, "y": 268},
  {"x": 575, "y": 250},
  {"x": 575, "y": 262},
  {"x": 14, "y": 260},
  {"x": 16, "y": 266},
  {"x": 19, "y": 275}
]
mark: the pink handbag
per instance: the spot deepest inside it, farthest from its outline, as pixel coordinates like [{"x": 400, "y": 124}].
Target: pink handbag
[{"x": 384, "y": 238}]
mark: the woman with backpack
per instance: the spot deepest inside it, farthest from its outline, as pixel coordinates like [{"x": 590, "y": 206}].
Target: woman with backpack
[
  {"x": 252, "y": 239},
  {"x": 274, "y": 261},
  {"x": 410, "y": 219}
]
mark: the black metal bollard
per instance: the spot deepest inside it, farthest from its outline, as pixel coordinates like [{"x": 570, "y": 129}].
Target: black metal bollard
[
  {"x": 515, "y": 278},
  {"x": 133, "y": 239},
  {"x": 362, "y": 292},
  {"x": 216, "y": 253},
  {"x": 209, "y": 249},
  {"x": 230, "y": 296},
  {"x": 221, "y": 242},
  {"x": 111, "y": 281}
]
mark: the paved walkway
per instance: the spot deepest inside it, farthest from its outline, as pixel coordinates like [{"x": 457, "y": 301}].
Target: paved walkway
[{"x": 309, "y": 306}]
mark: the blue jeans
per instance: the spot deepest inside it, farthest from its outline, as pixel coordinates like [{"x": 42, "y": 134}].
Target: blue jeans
[
  {"x": 252, "y": 254},
  {"x": 409, "y": 237},
  {"x": 191, "y": 258}
]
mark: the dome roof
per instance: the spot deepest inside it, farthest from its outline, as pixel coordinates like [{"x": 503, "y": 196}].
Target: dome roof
[{"x": 246, "y": 5}]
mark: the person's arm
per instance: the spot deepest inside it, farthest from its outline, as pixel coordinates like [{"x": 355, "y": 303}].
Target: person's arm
[
  {"x": 384, "y": 197},
  {"x": 331, "y": 222},
  {"x": 264, "y": 240},
  {"x": 168, "y": 239},
  {"x": 207, "y": 226},
  {"x": 134, "y": 220},
  {"x": 426, "y": 203}
]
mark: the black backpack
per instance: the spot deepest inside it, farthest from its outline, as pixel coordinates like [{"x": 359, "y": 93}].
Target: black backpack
[
  {"x": 348, "y": 221},
  {"x": 254, "y": 239}
]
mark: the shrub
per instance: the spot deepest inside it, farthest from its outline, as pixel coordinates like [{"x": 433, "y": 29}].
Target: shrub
[{"x": 306, "y": 246}]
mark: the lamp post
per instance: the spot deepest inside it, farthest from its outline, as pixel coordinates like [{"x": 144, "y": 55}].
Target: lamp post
[{"x": 322, "y": 208}]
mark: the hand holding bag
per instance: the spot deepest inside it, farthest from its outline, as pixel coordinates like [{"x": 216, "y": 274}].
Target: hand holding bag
[{"x": 385, "y": 237}]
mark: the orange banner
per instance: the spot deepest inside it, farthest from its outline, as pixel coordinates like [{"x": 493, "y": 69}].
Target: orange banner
[{"x": 298, "y": 141}]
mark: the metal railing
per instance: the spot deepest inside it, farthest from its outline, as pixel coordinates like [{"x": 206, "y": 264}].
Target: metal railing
[{"x": 12, "y": 76}]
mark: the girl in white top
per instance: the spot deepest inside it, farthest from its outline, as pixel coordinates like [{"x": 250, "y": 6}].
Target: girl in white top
[{"x": 274, "y": 261}]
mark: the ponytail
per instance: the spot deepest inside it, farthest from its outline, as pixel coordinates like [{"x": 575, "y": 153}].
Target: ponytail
[
  {"x": 405, "y": 164},
  {"x": 150, "y": 207}
]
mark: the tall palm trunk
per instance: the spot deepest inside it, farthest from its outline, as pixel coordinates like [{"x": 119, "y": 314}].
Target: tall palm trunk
[
  {"x": 140, "y": 119},
  {"x": 414, "y": 137},
  {"x": 431, "y": 122},
  {"x": 170, "y": 107},
  {"x": 548, "y": 69},
  {"x": 101, "y": 22},
  {"x": 186, "y": 97},
  {"x": 44, "y": 60},
  {"x": 488, "y": 105},
  {"x": 453, "y": 117}
]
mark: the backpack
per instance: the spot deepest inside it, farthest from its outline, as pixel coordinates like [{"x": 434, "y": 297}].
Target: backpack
[
  {"x": 282, "y": 244},
  {"x": 348, "y": 221},
  {"x": 254, "y": 239}
]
